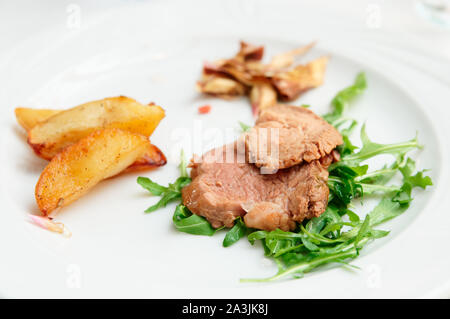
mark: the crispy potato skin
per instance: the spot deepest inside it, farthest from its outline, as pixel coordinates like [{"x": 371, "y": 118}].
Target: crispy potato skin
[
  {"x": 29, "y": 118},
  {"x": 49, "y": 137},
  {"x": 79, "y": 167},
  {"x": 152, "y": 158}
]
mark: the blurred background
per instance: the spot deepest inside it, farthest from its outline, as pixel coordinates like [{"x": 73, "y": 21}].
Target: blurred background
[{"x": 423, "y": 23}]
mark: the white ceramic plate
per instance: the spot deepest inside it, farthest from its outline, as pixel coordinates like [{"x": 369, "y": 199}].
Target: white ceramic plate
[{"x": 154, "y": 52}]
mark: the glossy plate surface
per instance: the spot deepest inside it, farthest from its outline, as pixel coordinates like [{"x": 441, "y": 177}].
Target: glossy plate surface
[{"x": 154, "y": 52}]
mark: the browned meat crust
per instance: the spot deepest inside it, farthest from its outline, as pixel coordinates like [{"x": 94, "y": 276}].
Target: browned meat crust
[{"x": 285, "y": 136}]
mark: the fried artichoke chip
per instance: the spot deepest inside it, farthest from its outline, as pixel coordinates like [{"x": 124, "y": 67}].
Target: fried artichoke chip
[
  {"x": 262, "y": 96},
  {"x": 244, "y": 67},
  {"x": 221, "y": 86},
  {"x": 232, "y": 69},
  {"x": 265, "y": 83},
  {"x": 290, "y": 84},
  {"x": 249, "y": 52},
  {"x": 286, "y": 59},
  {"x": 79, "y": 167}
]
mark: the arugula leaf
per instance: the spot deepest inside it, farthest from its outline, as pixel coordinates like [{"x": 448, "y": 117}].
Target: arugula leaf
[
  {"x": 317, "y": 224},
  {"x": 380, "y": 177},
  {"x": 165, "y": 199},
  {"x": 151, "y": 186},
  {"x": 257, "y": 235},
  {"x": 168, "y": 194},
  {"x": 301, "y": 264},
  {"x": 371, "y": 149},
  {"x": 276, "y": 242},
  {"x": 277, "y": 247},
  {"x": 417, "y": 180},
  {"x": 183, "y": 165},
  {"x": 386, "y": 210},
  {"x": 376, "y": 233},
  {"x": 347, "y": 147},
  {"x": 344, "y": 189},
  {"x": 317, "y": 239},
  {"x": 235, "y": 233},
  {"x": 352, "y": 216},
  {"x": 351, "y": 125},
  {"x": 381, "y": 189},
  {"x": 342, "y": 100},
  {"x": 363, "y": 230},
  {"x": 355, "y": 182},
  {"x": 403, "y": 196},
  {"x": 346, "y": 171},
  {"x": 244, "y": 127},
  {"x": 309, "y": 244},
  {"x": 187, "y": 222}
]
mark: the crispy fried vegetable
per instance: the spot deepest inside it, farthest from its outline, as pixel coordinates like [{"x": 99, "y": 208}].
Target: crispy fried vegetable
[
  {"x": 233, "y": 69},
  {"x": 220, "y": 86},
  {"x": 79, "y": 167},
  {"x": 262, "y": 96},
  {"x": 244, "y": 67},
  {"x": 250, "y": 52},
  {"x": 67, "y": 127},
  {"x": 264, "y": 83},
  {"x": 29, "y": 118},
  {"x": 286, "y": 59},
  {"x": 290, "y": 84}
]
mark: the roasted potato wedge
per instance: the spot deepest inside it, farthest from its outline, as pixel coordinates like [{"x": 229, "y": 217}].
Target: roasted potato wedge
[
  {"x": 29, "y": 118},
  {"x": 48, "y": 138},
  {"x": 79, "y": 167},
  {"x": 152, "y": 158}
]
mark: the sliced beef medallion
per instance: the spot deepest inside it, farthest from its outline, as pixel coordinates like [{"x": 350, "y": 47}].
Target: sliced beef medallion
[
  {"x": 285, "y": 136},
  {"x": 222, "y": 191}
]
